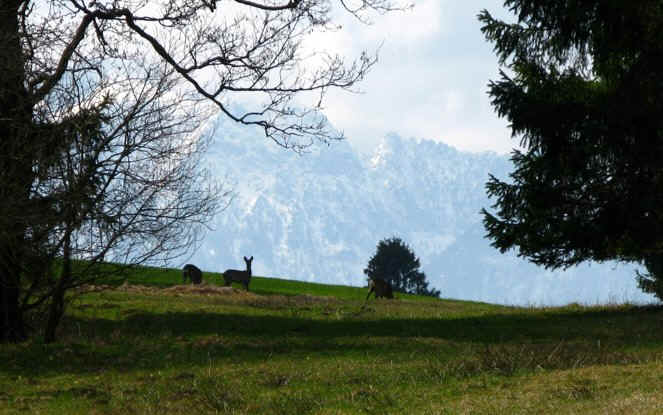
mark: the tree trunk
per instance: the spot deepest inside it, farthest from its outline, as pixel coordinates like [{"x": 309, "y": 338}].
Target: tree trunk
[
  {"x": 12, "y": 327},
  {"x": 15, "y": 171},
  {"x": 56, "y": 310}
]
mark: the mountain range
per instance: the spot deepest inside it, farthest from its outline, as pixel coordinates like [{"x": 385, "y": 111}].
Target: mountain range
[{"x": 318, "y": 216}]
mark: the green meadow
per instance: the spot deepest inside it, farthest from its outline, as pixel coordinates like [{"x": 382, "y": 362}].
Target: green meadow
[{"x": 152, "y": 346}]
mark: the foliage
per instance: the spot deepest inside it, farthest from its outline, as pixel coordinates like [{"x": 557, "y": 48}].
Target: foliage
[
  {"x": 101, "y": 108},
  {"x": 652, "y": 281},
  {"x": 583, "y": 92},
  {"x": 396, "y": 263}
]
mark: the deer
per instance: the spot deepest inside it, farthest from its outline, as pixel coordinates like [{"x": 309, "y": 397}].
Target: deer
[
  {"x": 233, "y": 275},
  {"x": 380, "y": 287},
  {"x": 192, "y": 273}
]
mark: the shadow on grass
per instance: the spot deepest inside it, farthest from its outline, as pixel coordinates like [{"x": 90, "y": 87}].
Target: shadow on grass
[{"x": 155, "y": 341}]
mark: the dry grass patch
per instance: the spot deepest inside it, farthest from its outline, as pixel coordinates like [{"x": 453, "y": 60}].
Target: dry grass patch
[{"x": 208, "y": 290}]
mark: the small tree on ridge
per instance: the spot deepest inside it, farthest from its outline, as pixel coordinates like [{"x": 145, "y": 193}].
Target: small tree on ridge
[{"x": 397, "y": 264}]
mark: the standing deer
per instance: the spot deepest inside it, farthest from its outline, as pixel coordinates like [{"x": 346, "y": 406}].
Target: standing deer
[
  {"x": 192, "y": 273},
  {"x": 380, "y": 287},
  {"x": 233, "y": 275}
]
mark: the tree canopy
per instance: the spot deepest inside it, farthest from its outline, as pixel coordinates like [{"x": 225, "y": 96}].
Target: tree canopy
[
  {"x": 397, "y": 264},
  {"x": 652, "y": 281},
  {"x": 582, "y": 89}
]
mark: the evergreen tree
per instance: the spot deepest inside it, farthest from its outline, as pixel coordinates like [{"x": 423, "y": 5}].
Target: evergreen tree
[
  {"x": 652, "y": 281},
  {"x": 584, "y": 93},
  {"x": 395, "y": 263}
]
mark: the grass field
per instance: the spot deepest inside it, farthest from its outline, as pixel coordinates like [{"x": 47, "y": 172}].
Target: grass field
[{"x": 287, "y": 347}]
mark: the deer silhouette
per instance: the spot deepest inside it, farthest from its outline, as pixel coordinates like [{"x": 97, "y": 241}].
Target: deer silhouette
[
  {"x": 192, "y": 273},
  {"x": 233, "y": 275},
  {"x": 380, "y": 287}
]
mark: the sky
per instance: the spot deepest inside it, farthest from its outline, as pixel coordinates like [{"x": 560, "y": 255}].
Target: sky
[{"x": 431, "y": 79}]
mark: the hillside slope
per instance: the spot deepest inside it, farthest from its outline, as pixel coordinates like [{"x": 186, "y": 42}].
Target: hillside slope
[{"x": 180, "y": 349}]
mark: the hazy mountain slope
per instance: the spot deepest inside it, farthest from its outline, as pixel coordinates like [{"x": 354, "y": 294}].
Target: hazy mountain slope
[{"x": 319, "y": 216}]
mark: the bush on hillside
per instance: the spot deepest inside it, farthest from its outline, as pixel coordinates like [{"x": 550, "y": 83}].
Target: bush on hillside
[{"x": 397, "y": 264}]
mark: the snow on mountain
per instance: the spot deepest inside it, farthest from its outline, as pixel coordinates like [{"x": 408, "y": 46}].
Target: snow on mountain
[{"x": 319, "y": 216}]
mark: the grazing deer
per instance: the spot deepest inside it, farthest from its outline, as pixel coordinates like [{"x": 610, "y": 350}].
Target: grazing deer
[
  {"x": 233, "y": 275},
  {"x": 380, "y": 287},
  {"x": 193, "y": 273}
]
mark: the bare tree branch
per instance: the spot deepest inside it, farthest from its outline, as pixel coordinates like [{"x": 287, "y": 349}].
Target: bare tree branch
[{"x": 289, "y": 5}]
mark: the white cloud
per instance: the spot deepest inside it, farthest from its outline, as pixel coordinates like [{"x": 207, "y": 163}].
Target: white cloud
[
  {"x": 430, "y": 82},
  {"x": 419, "y": 24}
]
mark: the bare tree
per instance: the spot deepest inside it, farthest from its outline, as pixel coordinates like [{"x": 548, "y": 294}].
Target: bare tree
[
  {"x": 126, "y": 186},
  {"x": 99, "y": 105}
]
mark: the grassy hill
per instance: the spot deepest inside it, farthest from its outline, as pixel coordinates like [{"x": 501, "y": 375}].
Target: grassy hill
[{"x": 152, "y": 346}]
